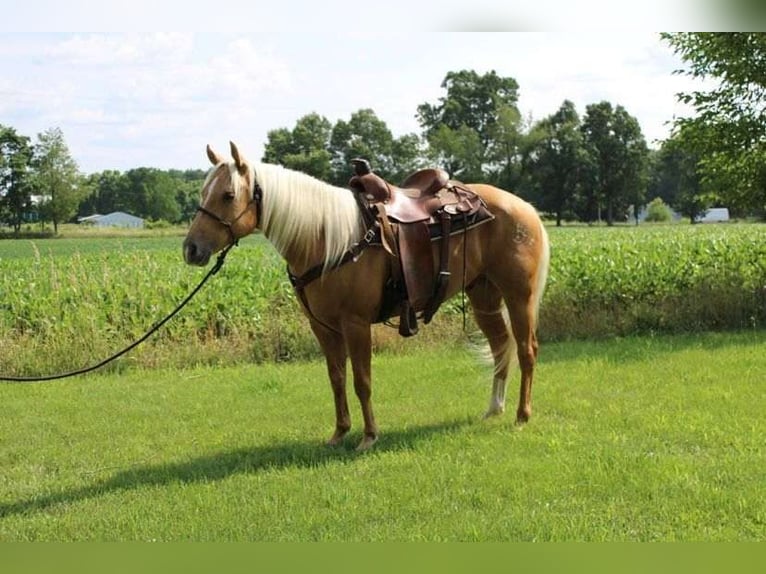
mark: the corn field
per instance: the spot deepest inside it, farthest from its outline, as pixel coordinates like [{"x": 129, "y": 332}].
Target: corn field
[{"x": 66, "y": 302}]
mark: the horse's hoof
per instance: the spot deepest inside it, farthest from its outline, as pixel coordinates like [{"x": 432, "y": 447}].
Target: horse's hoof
[
  {"x": 336, "y": 439},
  {"x": 494, "y": 412},
  {"x": 366, "y": 444},
  {"x": 522, "y": 418}
]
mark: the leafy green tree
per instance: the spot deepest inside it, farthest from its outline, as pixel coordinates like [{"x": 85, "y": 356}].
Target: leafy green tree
[
  {"x": 163, "y": 204},
  {"x": 407, "y": 156},
  {"x": 615, "y": 141},
  {"x": 459, "y": 151},
  {"x": 508, "y": 141},
  {"x": 729, "y": 128},
  {"x": 151, "y": 193},
  {"x": 468, "y": 129},
  {"x": 56, "y": 177},
  {"x": 108, "y": 193},
  {"x": 365, "y": 136},
  {"x": 15, "y": 163},
  {"x": 188, "y": 185},
  {"x": 675, "y": 178},
  {"x": 472, "y": 101},
  {"x": 315, "y": 147},
  {"x": 304, "y": 148},
  {"x": 557, "y": 162},
  {"x": 171, "y": 195},
  {"x": 368, "y": 137}
]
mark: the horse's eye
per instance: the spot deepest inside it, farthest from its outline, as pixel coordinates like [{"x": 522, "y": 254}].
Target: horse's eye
[{"x": 228, "y": 196}]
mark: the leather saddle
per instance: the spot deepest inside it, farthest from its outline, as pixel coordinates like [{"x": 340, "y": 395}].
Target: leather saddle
[
  {"x": 418, "y": 198},
  {"x": 427, "y": 207}
]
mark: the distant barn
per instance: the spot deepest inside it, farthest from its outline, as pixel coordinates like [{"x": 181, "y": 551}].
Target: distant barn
[{"x": 115, "y": 219}]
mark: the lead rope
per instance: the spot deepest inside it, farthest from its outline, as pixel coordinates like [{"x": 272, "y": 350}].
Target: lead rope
[
  {"x": 465, "y": 248},
  {"x": 154, "y": 329}
]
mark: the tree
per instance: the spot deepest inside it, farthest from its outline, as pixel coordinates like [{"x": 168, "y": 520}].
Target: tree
[
  {"x": 407, "y": 155},
  {"x": 304, "y": 148},
  {"x": 368, "y": 137},
  {"x": 315, "y": 147},
  {"x": 162, "y": 201},
  {"x": 171, "y": 195},
  {"x": 729, "y": 129},
  {"x": 15, "y": 191},
  {"x": 508, "y": 139},
  {"x": 108, "y": 193},
  {"x": 470, "y": 112},
  {"x": 151, "y": 193},
  {"x": 365, "y": 136},
  {"x": 675, "y": 178},
  {"x": 56, "y": 177},
  {"x": 472, "y": 101},
  {"x": 557, "y": 162},
  {"x": 459, "y": 151},
  {"x": 620, "y": 155},
  {"x": 188, "y": 184}
]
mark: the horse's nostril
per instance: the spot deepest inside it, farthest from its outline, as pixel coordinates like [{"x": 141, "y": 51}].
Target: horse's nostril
[
  {"x": 196, "y": 253},
  {"x": 190, "y": 251}
]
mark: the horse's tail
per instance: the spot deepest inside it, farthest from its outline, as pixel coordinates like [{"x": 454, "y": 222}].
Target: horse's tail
[{"x": 542, "y": 271}]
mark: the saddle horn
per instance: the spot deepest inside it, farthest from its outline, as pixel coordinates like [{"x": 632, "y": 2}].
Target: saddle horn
[{"x": 361, "y": 166}]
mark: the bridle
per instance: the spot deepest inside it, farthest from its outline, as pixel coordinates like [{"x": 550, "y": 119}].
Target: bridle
[{"x": 257, "y": 198}]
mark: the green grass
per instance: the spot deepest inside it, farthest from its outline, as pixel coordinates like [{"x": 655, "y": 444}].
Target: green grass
[
  {"x": 35, "y": 249},
  {"x": 645, "y": 438}
]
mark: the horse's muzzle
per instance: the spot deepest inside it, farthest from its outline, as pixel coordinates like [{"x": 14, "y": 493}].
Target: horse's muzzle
[{"x": 196, "y": 254}]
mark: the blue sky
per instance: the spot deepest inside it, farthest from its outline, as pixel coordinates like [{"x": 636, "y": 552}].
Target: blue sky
[{"x": 130, "y": 99}]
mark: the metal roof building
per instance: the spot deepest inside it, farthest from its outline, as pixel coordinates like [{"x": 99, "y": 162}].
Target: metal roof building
[{"x": 114, "y": 219}]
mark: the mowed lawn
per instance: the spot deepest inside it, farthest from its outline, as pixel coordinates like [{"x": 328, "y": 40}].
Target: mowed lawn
[{"x": 631, "y": 439}]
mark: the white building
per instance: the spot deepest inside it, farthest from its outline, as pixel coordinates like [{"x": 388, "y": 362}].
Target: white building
[{"x": 115, "y": 219}]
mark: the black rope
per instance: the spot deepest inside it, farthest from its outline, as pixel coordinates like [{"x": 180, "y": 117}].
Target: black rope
[
  {"x": 154, "y": 329},
  {"x": 465, "y": 248}
]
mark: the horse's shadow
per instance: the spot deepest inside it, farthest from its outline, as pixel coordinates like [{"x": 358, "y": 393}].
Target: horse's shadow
[{"x": 292, "y": 454}]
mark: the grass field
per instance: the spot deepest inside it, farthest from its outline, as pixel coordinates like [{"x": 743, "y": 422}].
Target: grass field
[
  {"x": 200, "y": 435},
  {"x": 640, "y": 438}
]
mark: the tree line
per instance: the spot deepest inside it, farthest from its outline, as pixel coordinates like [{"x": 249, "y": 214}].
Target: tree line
[
  {"x": 591, "y": 167},
  {"x": 588, "y": 169},
  {"x": 40, "y": 183}
]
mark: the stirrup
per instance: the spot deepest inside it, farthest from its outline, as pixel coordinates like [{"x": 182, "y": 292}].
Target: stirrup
[{"x": 408, "y": 322}]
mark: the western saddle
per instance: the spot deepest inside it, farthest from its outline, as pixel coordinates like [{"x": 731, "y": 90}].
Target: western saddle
[{"x": 427, "y": 207}]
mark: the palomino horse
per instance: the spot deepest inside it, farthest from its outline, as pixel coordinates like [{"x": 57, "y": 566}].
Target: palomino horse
[{"x": 502, "y": 265}]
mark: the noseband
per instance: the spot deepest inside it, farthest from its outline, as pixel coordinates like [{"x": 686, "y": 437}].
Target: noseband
[{"x": 257, "y": 197}]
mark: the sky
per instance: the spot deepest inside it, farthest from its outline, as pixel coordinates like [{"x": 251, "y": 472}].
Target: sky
[{"x": 127, "y": 99}]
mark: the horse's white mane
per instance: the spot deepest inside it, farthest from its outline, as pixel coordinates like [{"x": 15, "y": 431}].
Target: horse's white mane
[{"x": 299, "y": 211}]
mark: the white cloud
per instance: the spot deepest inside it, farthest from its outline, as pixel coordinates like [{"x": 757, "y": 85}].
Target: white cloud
[
  {"x": 124, "y": 100},
  {"x": 162, "y": 92},
  {"x": 111, "y": 50}
]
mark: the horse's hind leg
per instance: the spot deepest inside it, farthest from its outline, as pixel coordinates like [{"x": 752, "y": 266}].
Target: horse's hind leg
[
  {"x": 487, "y": 303},
  {"x": 523, "y": 314}
]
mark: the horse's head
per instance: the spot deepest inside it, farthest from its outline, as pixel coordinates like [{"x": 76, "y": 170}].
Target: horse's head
[{"x": 229, "y": 208}]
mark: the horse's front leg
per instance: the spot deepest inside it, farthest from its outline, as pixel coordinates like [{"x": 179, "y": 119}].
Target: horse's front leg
[
  {"x": 359, "y": 343},
  {"x": 334, "y": 349}
]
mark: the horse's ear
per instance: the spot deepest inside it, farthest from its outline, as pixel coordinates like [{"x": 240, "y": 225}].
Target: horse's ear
[
  {"x": 239, "y": 160},
  {"x": 214, "y": 158}
]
